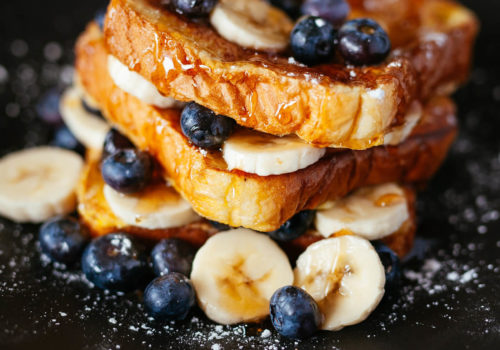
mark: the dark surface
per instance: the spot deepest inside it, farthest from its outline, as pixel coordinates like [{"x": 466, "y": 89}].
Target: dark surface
[{"x": 450, "y": 295}]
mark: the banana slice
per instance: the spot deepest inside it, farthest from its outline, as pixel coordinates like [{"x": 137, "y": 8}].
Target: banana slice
[
  {"x": 133, "y": 83},
  {"x": 400, "y": 133},
  {"x": 38, "y": 183},
  {"x": 345, "y": 276},
  {"x": 252, "y": 24},
  {"x": 370, "y": 212},
  {"x": 265, "y": 154},
  {"x": 87, "y": 128},
  {"x": 157, "y": 207},
  {"x": 235, "y": 274}
]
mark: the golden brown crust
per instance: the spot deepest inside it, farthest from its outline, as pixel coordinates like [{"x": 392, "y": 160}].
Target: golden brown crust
[
  {"x": 328, "y": 105},
  {"x": 241, "y": 199},
  {"x": 98, "y": 216}
]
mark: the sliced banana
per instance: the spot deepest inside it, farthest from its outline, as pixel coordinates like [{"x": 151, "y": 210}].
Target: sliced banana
[
  {"x": 345, "y": 276},
  {"x": 371, "y": 212},
  {"x": 157, "y": 207},
  {"x": 400, "y": 133},
  {"x": 38, "y": 183},
  {"x": 133, "y": 83},
  {"x": 265, "y": 154},
  {"x": 87, "y": 128},
  {"x": 235, "y": 274},
  {"x": 252, "y": 24}
]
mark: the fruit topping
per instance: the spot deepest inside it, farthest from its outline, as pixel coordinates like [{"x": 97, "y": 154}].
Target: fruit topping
[
  {"x": 63, "y": 239},
  {"x": 116, "y": 262},
  {"x": 169, "y": 297},
  {"x": 313, "y": 40},
  {"x": 193, "y": 8},
  {"x": 291, "y": 7},
  {"x": 172, "y": 255},
  {"x": 334, "y": 11},
  {"x": 363, "y": 41},
  {"x": 392, "y": 265},
  {"x": 64, "y": 138},
  {"x": 127, "y": 171},
  {"x": 204, "y": 128},
  {"x": 294, "y": 227},
  {"x": 294, "y": 313},
  {"x": 115, "y": 141}
]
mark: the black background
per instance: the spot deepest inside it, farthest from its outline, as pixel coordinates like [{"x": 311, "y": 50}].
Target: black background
[{"x": 43, "y": 306}]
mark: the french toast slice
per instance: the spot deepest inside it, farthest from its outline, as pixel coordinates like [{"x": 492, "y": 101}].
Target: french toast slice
[
  {"x": 326, "y": 105},
  {"x": 98, "y": 216},
  {"x": 241, "y": 199}
]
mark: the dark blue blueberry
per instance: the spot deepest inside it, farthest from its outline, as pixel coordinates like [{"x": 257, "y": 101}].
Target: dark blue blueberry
[
  {"x": 334, "y": 11},
  {"x": 99, "y": 17},
  {"x": 363, "y": 41},
  {"x": 291, "y": 7},
  {"x": 313, "y": 40},
  {"x": 64, "y": 138},
  {"x": 172, "y": 255},
  {"x": 127, "y": 171},
  {"x": 205, "y": 128},
  {"x": 392, "y": 265},
  {"x": 294, "y": 313},
  {"x": 220, "y": 226},
  {"x": 169, "y": 297},
  {"x": 193, "y": 8},
  {"x": 115, "y": 141},
  {"x": 294, "y": 227},
  {"x": 116, "y": 262},
  {"x": 47, "y": 107},
  {"x": 92, "y": 110},
  {"x": 63, "y": 239}
]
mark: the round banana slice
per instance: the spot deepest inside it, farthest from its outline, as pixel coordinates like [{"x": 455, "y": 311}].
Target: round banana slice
[
  {"x": 345, "y": 276},
  {"x": 265, "y": 154},
  {"x": 38, "y": 183},
  {"x": 252, "y": 24},
  {"x": 235, "y": 274},
  {"x": 157, "y": 207},
  {"x": 87, "y": 128},
  {"x": 370, "y": 212},
  {"x": 134, "y": 84}
]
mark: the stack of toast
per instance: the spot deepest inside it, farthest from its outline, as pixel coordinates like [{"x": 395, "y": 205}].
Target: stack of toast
[{"x": 335, "y": 148}]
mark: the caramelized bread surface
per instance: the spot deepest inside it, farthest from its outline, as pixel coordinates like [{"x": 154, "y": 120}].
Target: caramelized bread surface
[
  {"x": 327, "y": 105},
  {"x": 99, "y": 218},
  {"x": 241, "y": 199}
]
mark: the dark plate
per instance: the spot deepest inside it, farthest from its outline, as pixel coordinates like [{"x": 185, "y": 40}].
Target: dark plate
[{"x": 451, "y": 291}]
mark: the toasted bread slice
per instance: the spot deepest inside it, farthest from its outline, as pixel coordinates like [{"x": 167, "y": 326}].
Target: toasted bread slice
[
  {"x": 241, "y": 199},
  {"x": 97, "y": 215},
  {"x": 327, "y": 105}
]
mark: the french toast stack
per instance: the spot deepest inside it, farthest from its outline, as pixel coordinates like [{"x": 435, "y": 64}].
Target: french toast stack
[{"x": 259, "y": 130}]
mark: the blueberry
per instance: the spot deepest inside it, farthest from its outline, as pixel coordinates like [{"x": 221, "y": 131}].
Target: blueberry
[
  {"x": 291, "y": 7},
  {"x": 64, "y": 138},
  {"x": 219, "y": 226},
  {"x": 47, "y": 107},
  {"x": 92, "y": 110},
  {"x": 116, "y": 262},
  {"x": 63, "y": 239},
  {"x": 99, "y": 17},
  {"x": 115, "y": 141},
  {"x": 363, "y": 41},
  {"x": 392, "y": 265},
  {"x": 193, "y": 8},
  {"x": 294, "y": 313},
  {"x": 169, "y": 297},
  {"x": 334, "y": 11},
  {"x": 127, "y": 171},
  {"x": 294, "y": 227},
  {"x": 172, "y": 255},
  {"x": 313, "y": 40},
  {"x": 205, "y": 128}
]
